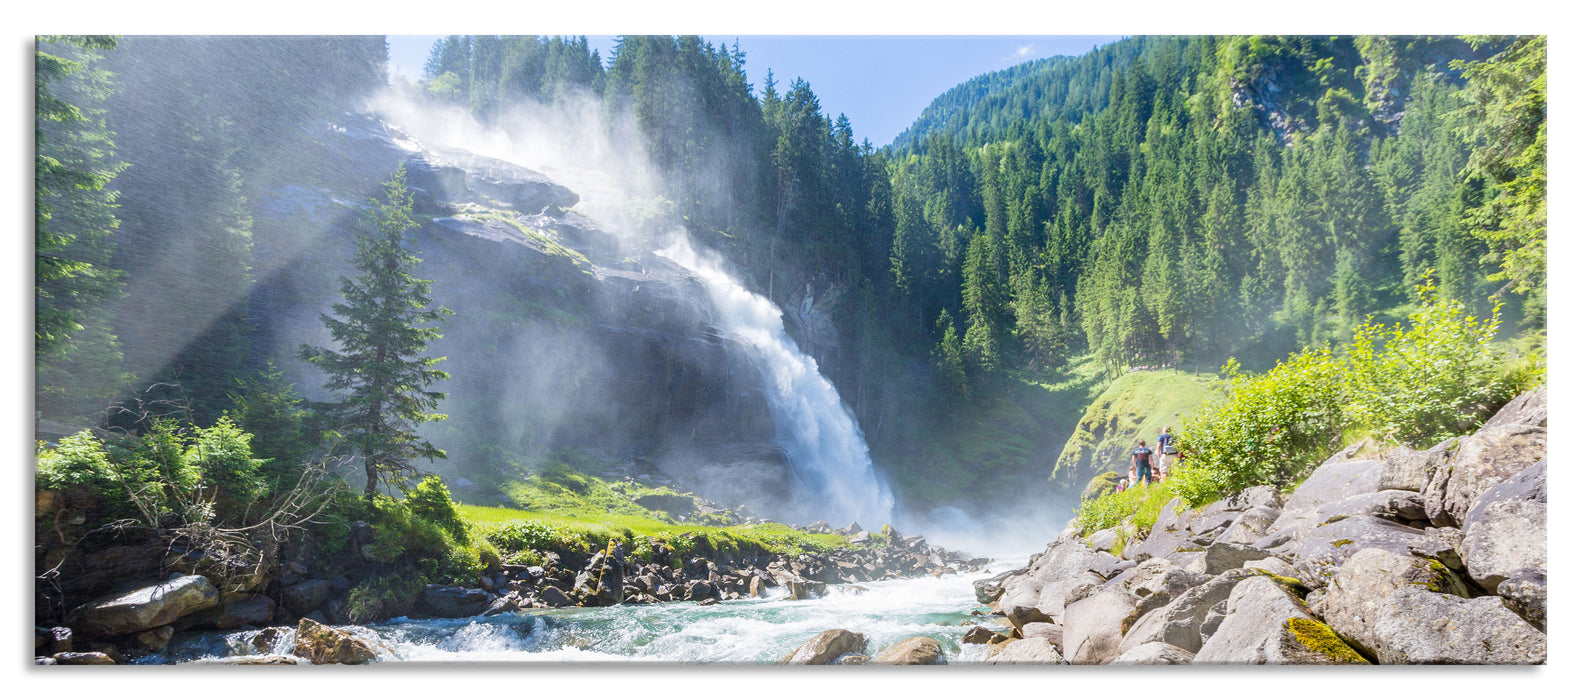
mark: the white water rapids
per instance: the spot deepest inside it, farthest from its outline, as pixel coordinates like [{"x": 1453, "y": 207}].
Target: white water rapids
[
  {"x": 835, "y": 477},
  {"x": 742, "y": 632}
]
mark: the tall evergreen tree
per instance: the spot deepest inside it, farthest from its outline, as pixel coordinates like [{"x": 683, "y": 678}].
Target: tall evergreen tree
[{"x": 382, "y": 329}]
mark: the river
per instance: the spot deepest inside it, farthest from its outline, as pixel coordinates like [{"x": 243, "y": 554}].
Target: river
[{"x": 734, "y": 632}]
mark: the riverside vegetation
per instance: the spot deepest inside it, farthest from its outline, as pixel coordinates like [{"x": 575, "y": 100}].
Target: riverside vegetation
[{"x": 978, "y": 292}]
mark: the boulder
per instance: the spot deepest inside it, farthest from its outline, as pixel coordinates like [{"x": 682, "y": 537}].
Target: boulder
[
  {"x": 1336, "y": 479},
  {"x": 1273, "y": 566},
  {"x": 1157, "y": 575},
  {"x": 1392, "y": 504},
  {"x": 1179, "y": 622},
  {"x": 236, "y": 611},
  {"x": 143, "y": 608},
  {"x": 1265, "y": 624},
  {"x": 1409, "y": 470},
  {"x": 1224, "y": 556},
  {"x": 320, "y": 645},
  {"x": 154, "y": 641},
  {"x": 1045, "y": 630},
  {"x": 83, "y": 658},
  {"x": 1154, "y": 654},
  {"x": 1104, "y": 539},
  {"x": 554, "y": 597},
  {"x": 912, "y": 651},
  {"x": 1481, "y": 460},
  {"x": 989, "y": 590},
  {"x": 1250, "y": 526},
  {"x": 1506, "y": 529},
  {"x": 983, "y": 635},
  {"x": 1527, "y": 594},
  {"x": 1317, "y": 554},
  {"x": 306, "y": 596},
  {"x": 1028, "y": 651},
  {"x": 1020, "y": 615},
  {"x": 455, "y": 601},
  {"x": 266, "y": 660},
  {"x": 1093, "y": 626},
  {"x": 825, "y": 647},
  {"x": 1401, "y": 609}
]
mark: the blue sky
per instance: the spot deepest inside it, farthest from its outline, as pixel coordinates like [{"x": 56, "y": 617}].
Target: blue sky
[{"x": 881, "y": 83}]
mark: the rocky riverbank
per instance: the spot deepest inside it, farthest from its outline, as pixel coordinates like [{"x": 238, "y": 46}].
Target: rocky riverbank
[
  {"x": 294, "y": 615},
  {"x": 1399, "y": 556}
]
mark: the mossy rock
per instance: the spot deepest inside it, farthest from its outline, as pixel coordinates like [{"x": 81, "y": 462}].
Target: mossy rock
[{"x": 1317, "y": 637}]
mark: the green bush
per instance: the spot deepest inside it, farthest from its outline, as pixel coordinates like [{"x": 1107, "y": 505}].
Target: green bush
[
  {"x": 1139, "y": 505},
  {"x": 1438, "y": 378},
  {"x": 404, "y": 538},
  {"x": 222, "y": 455},
  {"x": 1264, "y": 429},
  {"x": 430, "y": 500},
  {"x": 383, "y": 597}
]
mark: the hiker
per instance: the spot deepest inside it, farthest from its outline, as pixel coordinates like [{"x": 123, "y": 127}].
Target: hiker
[
  {"x": 1142, "y": 463},
  {"x": 1166, "y": 452}
]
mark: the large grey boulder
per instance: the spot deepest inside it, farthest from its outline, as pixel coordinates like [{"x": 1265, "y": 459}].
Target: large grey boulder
[
  {"x": 1179, "y": 622},
  {"x": 1093, "y": 626},
  {"x": 1409, "y": 470},
  {"x": 1506, "y": 529},
  {"x": 1515, "y": 439},
  {"x": 1154, "y": 654},
  {"x": 1028, "y": 651},
  {"x": 1250, "y": 526},
  {"x": 1265, "y": 624},
  {"x": 989, "y": 590},
  {"x": 1225, "y": 556},
  {"x": 1391, "y": 504},
  {"x": 1400, "y": 609},
  {"x": 1050, "y": 631},
  {"x": 1337, "y": 478},
  {"x": 144, "y": 608},
  {"x": 1317, "y": 554},
  {"x": 1155, "y": 576},
  {"x": 825, "y": 647}
]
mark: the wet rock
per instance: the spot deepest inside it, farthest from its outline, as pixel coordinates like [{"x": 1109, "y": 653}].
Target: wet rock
[
  {"x": 913, "y": 651},
  {"x": 154, "y": 641},
  {"x": 266, "y": 660},
  {"x": 852, "y": 660},
  {"x": 1028, "y": 651},
  {"x": 554, "y": 598},
  {"x": 236, "y": 610},
  {"x": 1154, "y": 654},
  {"x": 455, "y": 601},
  {"x": 321, "y": 645},
  {"x": 59, "y": 640},
  {"x": 825, "y": 647},
  {"x": 1265, "y": 624},
  {"x": 305, "y": 596},
  {"x": 83, "y": 658},
  {"x": 265, "y": 641},
  {"x": 1402, "y": 609},
  {"x": 144, "y": 608}
]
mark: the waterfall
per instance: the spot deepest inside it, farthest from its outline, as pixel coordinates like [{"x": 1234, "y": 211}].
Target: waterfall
[{"x": 829, "y": 456}]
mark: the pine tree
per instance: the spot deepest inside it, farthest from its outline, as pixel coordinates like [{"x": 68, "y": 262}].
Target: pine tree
[{"x": 382, "y": 329}]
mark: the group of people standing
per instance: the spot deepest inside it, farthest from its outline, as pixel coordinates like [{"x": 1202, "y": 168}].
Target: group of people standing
[{"x": 1150, "y": 466}]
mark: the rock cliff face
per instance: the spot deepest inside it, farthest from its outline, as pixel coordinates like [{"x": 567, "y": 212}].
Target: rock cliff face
[
  {"x": 565, "y": 333},
  {"x": 1436, "y": 556}
]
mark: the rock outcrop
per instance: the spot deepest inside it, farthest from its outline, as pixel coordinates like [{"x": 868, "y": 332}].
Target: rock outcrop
[
  {"x": 1394, "y": 557},
  {"x": 144, "y": 608}
]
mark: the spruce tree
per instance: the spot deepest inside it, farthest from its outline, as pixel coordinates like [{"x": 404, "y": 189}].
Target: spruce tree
[{"x": 382, "y": 329}]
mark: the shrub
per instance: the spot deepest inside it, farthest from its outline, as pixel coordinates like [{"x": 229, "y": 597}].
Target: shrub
[
  {"x": 1265, "y": 429},
  {"x": 1436, "y": 379},
  {"x": 383, "y": 597},
  {"x": 1140, "y": 505},
  {"x": 430, "y": 500},
  {"x": 222, "y": 455}
]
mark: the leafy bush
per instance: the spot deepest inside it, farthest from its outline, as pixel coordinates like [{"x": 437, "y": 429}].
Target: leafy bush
[
  {"x": 1140, "y": 505},
  {"x": 82, "y": 464},
  {"x": 403, "y": 537},
  {"x": 1439, "y": 378},
  {"x": 430, "y": 500},
  {"x": 383, "y": 597},
  {"x": 222, "y": 455},
  {"x": 1265, "y": 429}
]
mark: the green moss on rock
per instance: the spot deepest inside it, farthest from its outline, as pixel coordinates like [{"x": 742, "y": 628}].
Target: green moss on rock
[{"x": 1318, "y": 637}]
